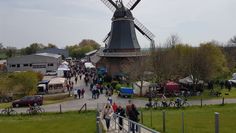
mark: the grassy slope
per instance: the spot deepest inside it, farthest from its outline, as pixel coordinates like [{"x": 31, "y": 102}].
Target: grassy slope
[
  {"x": 71, "y": 122},
  {"x": 205, "y": 94},
  {"x": 197, "y": 120}
]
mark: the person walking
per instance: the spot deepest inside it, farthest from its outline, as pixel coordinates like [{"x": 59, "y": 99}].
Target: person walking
[
  {"x": 82, "y": 92},
  {"x": 75, "y": 93},
  {"x": 79, "y": 92},
  {"x": 107, "y": 114},
  {"x": 76, "y": 79},
  {"x": 114, "y": 106},
  {"x": 120, "y": 112},
  {"x": 128, "y": 107},
  {"x": 97, "y": 93},
  {"x": 109, "y": 99},
  {"x": 133, "y": 115}
]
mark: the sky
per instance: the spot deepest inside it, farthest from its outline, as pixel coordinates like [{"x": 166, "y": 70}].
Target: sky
[{"x": 67, "y": 22}]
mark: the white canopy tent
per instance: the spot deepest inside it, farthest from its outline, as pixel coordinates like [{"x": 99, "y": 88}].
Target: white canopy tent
[
  {"x": 233, "y": 80},
  {"x": 61, "y": 69},
  {"x": 57, "y": 80},
  {"x": 65, "y": 63},
  {"x": 189, "y": 80},
  {"x": 234, "y": 76},
  {"x": 137, "y": 86},
  {"x": 57, "y": 85},
  {"x": 89, "y": 65}
]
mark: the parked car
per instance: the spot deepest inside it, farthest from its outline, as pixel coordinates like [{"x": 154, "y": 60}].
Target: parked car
[{"x": 28, "y": 100}]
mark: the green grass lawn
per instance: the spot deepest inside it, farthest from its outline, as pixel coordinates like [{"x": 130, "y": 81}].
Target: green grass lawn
[
  {"x": 196, "y": 119},
  {"x": 70, "y": 122},
  {"x": 206, "y": 94}
]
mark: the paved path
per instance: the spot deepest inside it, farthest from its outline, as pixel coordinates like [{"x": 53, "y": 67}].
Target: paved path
[{"x": 92, "y": 103}]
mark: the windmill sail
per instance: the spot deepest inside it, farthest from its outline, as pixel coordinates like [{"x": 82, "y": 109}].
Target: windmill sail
[
  {"x": 132, "y": 4},
  {"x": 110, "y": 4},
  {"x": 106, "y": 39},
  {"x": 143, "y": 30}
]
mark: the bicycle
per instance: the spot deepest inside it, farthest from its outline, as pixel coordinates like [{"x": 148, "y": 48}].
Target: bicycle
[
  {"x": 171, "y": 103},
  {"x": 154, "y": 104},
  {"x": 34, "y": 110},
  {"x": 8, "y": 111},
  {"x": 180, "y": 102}
]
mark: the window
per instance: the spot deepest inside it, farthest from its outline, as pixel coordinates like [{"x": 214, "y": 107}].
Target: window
[
  {"x": 26, "y": 65},
  {"x": 18, "y": 65},
  {"x": 50, "y": 64},
  {"x": 39, "y": 66},
  {"x": 30, "y": 65},
  {"x": 12, "y": 65}
]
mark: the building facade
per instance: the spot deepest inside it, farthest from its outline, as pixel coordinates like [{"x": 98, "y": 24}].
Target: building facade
[{"x": 41, "y": 62}]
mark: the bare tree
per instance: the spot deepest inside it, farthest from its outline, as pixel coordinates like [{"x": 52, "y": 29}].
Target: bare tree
[
  {"x": 1, "y": 46},
  {"x": 136, "y": 70},
  {"x": 232, "y": 41},
  {"x": 172, "y": 40}
]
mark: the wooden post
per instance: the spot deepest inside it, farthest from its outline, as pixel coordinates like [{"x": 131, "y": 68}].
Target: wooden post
[
  {"x": 151, "y": 116},
  {"x": 217, "y": 122},
  {"x": 201, "y": 101},
  {"x": 60, "y": 108},
  {"x": 142, "y": 117},
  {"x": 85, "y": 106},
  {"x": 182, "y": 122},
  {"x": 164, "y": 121}
]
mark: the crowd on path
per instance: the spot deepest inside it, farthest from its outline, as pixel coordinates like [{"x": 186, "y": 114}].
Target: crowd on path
[
  {"x": 94, "y": 82},
  {"x": 130, "y": 111},
  {"x": 91, "y": 80}
]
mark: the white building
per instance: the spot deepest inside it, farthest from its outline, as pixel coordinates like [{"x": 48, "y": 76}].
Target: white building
[{"x": 41, "y": 62}]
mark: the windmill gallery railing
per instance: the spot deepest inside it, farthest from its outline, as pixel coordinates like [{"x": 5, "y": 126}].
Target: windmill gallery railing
[{"x": 124, "y": 54}]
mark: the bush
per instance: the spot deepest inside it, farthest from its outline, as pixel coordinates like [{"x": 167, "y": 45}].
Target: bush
[{"x": 118, "y": 86}]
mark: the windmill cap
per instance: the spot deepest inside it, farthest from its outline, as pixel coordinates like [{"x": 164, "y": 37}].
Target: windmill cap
[{"x": 123, "y": 12}]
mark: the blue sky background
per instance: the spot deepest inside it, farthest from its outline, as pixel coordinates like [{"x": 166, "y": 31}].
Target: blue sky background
[{"x": 67, "y": 22}]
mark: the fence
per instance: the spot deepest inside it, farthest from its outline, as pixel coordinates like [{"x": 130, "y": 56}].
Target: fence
[
  {"x": 40, "y": 109},
  {"x": 182, "y": 121}
]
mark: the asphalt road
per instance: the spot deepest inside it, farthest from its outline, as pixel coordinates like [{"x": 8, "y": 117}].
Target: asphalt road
[{"x": 76, "y": 104}]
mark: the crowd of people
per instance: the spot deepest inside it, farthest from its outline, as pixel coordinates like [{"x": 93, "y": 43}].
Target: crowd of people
[
  {"x": 130, "y": 111},
  {"x": 94, "y": 83},
  {"x": 91, "y": 79}
]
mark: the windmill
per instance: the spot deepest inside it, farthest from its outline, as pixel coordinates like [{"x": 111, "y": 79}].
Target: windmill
[
  {"x": 122, "y": 37},
  {"x": 122, "y": 49}
]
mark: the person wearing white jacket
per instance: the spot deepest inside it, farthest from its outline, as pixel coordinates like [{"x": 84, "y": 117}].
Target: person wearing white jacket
[{"x": 107, "y": 114}]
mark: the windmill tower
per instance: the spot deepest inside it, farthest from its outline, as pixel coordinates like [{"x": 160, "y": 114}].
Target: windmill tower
[{"x": 121, "y": 44}]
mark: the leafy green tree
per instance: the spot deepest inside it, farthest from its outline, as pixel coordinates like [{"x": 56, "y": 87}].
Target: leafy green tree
[
  {"x": 10, "y": 51},
  {"x": 26, "y": 82},
  {"x": 89, "y": 42},
  {"x": 213, "y": 61},
  {"x": 50, "y": 45},
  {"x": 205, "y": 62},
  {"x": 19, "y": 83},
  {"x": 78, "y": 51},
  {"x": 32, "y": 48}
]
